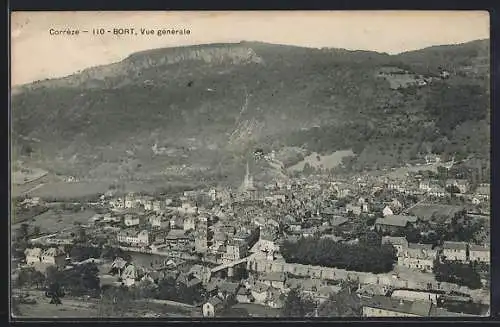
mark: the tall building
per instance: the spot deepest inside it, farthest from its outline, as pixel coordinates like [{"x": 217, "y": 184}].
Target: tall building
[{"x": 203, "y": 235}]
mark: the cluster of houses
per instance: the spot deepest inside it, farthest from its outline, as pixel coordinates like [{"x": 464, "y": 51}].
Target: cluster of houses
[
  {"x": 423, "y": 256},
  {"x": 394, "y": 306},
  {"x": 221, "y": 227},
  {"x": 268, "y": 289},
  {"x": 41, "y": 259}
]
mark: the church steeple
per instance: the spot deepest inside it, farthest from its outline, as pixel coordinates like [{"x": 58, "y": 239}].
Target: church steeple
[{"x": 247, "y": 184}]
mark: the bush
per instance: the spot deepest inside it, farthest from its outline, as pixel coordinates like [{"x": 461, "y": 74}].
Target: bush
[
  {"x": 457, "y": 273},
  {"x": 366, "y": 257}
]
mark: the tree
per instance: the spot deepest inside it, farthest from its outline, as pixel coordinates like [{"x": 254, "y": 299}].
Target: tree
[
  {"x": 27, "y": 277},
  {"x": 308, "y": 169},
  {"x": 82, "y": 279},
  {"x": 343, "y": 304},
  {"x": 27, "y": 150},
  {"x": 453, "y": 189},
  {"x": 52, "y": 275},
  {"x": 36, "y": 230},
  {"x": 412, "y": 234},
  {"x": 167, "y": 289},
  {"x": 328, "y": 253},
  {"x": 145, "y": 289},
  {"x": 23, "y": 232},
  {"x": 38, "y": 278},
  {"x": 371, "y": 239},
  {"x": 55, "y": 293},
  {"x": 16, "y": 312},
  {"x": 298, "y": 305},
  {"x": 457, "y": 273},
  {"x": 84, "y": 252},
  {"x": 81, "y": 235}
]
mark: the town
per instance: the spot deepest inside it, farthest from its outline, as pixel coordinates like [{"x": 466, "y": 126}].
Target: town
[{"x": 316, "y": 245}]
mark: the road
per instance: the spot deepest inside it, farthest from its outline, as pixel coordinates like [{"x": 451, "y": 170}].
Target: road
[
  {"x": 168, "y": 302},
  {"x": 413, "y": 206},
  {"x": 33, "y": 188}
]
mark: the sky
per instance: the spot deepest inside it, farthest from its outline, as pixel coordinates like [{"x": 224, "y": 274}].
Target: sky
[{"x": 36, "y": 55}]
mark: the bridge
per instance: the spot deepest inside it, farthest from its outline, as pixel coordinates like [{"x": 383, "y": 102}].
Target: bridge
[{"x": 231, "y": 264}]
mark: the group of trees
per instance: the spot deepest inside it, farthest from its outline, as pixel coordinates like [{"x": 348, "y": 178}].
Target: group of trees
[
  {"x": 457, "y": 273},
  {"x": 30, "y": 277},
  {"x": 119, "y": 301},
  {"x": 80, "y": 280},
  {"x": 345, "y": 303},
  {"x": 463, "y": 228},
  {"x": 112, "y": 253},
  {"x": 298, "y": 304},
  {"x": 460, "y": 228},
  {"x": 365, "y": 256},
  {"x": 170, "y": 289},
  {"x": 115, "y": 302},
  {"x": 82, "y": 252},
  {"x": 21, "y": 237}
]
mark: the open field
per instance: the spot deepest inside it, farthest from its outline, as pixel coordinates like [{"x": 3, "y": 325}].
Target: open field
[
  {"x": 26, "y": 214},
  {"x": 70, "y": 308},
  {"x": 326, "y": 162},
  {"x": 403, "y": 171},
  {"x": 67, "y": 191},
  {"x": 73, "y": 307},
  {"x": 52, "y": 222},
  {"x": 254, "y": 310},
  {"x": 427, "y": 210},
  {"x": 24, "y": 176}
]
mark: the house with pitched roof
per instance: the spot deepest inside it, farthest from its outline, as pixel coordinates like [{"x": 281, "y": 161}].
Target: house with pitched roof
[
  {"x": 479, "y": 253},
  {"x": 54, "y": 256},
  {"x": 274, "y": 279},
  {"x": 130, "y": 275},
  {"x": 418, "y": 256},
  {"x": 324, "y": 292},
  {"x": 33, "y": 255},
  {"x": 455, "y": 251},
  {"x": 387, "y": 211},
  {"x": 461, "y": 184},
  {"x": 383, "y": 306},
  {"x": 244, "y": 295},
  {"x": 227, "y": 290},
  {"x": 212, "y": 307},
  {"x": 394, "y": 223},
  {"x": 188, "y": 279},
  {"x": 483, "y": 192},
  {"x": 259, "y": 292},
  {"x": 275, "y": 298},
  {"x": 399, "y": 243}
]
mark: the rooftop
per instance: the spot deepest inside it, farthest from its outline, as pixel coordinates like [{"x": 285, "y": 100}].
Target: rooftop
[
  {"x": 455, "y": 245},
  {"x": 215, "y": 301},
  {"x": 394, "y": 240},
  {"x": 53, "y": 252},
  {"x": 418, "y": 308},
  {"x": 396, "y": 220},
  {"x": 228, "y": 287},
  {"x": 419, "y": 246},
  {"x": 474, "y": 247},
  {"x": 176, "y": 234},
  {"x": 259, "y": 287},
  {"x": 273, "y": 276}
]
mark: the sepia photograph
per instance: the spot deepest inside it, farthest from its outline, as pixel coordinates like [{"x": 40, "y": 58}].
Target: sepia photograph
[{"x": 249, "y": 164}]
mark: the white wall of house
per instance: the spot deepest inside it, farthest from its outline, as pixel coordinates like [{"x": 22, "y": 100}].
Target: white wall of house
[{"x": 208, "y": 310}]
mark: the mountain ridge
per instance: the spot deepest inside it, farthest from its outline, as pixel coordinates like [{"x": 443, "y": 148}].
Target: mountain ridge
[{"x": 269, "y": 95}]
